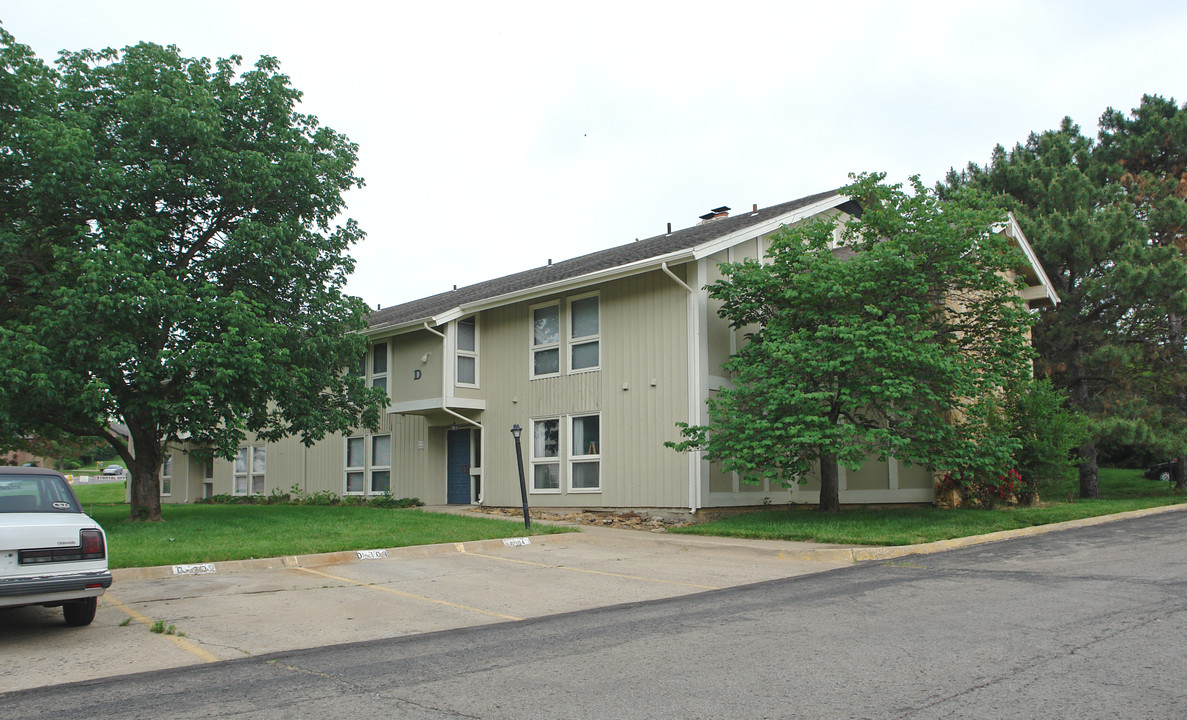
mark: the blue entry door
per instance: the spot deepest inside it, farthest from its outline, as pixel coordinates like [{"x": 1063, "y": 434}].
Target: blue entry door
[{"x": 457, "y": 467}]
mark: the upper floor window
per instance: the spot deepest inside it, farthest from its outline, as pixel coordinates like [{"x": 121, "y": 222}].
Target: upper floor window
[
  {"x": 379, "y": 365},
  {"x": 574, "y": 334},
  {"x": 373, "y": 365},
  {"x": 546, "y": 340},
  {"x": 584, "y": 333},
  {"x": 467, "y": 351}
]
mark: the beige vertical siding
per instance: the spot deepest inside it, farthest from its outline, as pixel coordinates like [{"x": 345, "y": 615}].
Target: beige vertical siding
[
  {"x": 914, "y": 477},
  {"x": 873, "y": 475},
  {"x": 407, "y": 353},
  {"x": 643, "y": 338},
  {"x": 322, "y": 467}
]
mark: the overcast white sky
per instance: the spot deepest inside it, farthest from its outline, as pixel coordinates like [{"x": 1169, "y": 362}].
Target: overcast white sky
[{"x": 496, "y": 135}]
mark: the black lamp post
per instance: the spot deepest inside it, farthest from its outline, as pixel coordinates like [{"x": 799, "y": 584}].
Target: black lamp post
[{"x": 516, "y": 430}]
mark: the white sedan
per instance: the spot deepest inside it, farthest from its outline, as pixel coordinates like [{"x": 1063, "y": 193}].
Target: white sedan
[{"x": 51, "y": 552}]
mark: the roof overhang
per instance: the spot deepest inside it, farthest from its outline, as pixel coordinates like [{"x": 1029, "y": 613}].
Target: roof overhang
[
  {"x": 620, "y": 271},
  {"x": 1039, "y": 291},
  {"x": 769, "y": 226}
]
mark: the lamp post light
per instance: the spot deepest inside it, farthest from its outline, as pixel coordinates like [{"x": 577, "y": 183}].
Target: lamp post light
[{"x": 516, "y": 430}]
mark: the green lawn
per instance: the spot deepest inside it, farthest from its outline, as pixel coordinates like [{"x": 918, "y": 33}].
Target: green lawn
[
  {"x": 212, "y": 533},
  {"x": 1121, "y": 490},
  {"x": 104, "y": 494}
]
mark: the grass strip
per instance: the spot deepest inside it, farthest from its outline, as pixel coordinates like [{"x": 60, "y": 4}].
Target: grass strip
[
  {"x": 214, "y": 533},
  {"x": 1121, "y": 491}
]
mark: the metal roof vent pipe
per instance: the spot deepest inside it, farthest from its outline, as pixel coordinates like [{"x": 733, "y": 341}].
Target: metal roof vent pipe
[{"x": 716, "y": 214}]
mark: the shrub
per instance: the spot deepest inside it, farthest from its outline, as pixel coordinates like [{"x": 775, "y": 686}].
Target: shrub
[
  {"x": 985, "y": 490},
  {"x": 1048, "y": 432},
  {"x": 324, "y": 497}
]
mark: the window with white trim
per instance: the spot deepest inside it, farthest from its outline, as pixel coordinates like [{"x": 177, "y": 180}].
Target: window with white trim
[
  {"x": 546, "y": 340},
  {"x": 467, "y": 351},
  {"x": 585, "y": 459},
  {"x": 379, "y": 365},
  {"x": 249, "y": 467},
  {"x": 574, "y": 335},
  {"x": 356, "y": 464},
  {"x": 584, "y": 334},
  {"x": 381, "y": 464},
  {"x": 545, "y": 457},
  {"x": 566, "y": 454},
  {"x": 368, "y": 465},
  {"x": 167, "y": 475}
]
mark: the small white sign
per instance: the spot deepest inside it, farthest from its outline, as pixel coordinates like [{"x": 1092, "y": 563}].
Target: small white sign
[
  {"x": 199, "y": 569},
  {"x": 371, "y": 554},
  {"x": 516, "y": 542}
]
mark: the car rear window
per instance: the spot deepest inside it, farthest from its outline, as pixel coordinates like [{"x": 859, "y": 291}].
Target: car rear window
[{"x": 35, "y": 493}]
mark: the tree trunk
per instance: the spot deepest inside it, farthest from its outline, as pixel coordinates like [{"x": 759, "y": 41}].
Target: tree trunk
[
  {"x": 144, "y": 476},
  {"x": 1089, "y": 480},
  {"x": 829, "y": 483},
  {"x": 1179, "y": 469}
]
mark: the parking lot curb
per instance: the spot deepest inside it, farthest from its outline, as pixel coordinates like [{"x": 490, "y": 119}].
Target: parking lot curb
[
  {"x": 318, "y": 559},
  {"x": 889, "y": 553},
  {"x": 796, "y": 552}
]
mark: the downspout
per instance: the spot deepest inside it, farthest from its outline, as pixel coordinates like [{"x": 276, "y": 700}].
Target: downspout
[
  {"x": 463, "y": 417},
  {"x": 681, "y": 283},
  {"x": 694, "y": 343}
]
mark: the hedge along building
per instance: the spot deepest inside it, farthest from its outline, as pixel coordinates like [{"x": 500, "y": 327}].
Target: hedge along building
[{"x": 595, "y": 358}]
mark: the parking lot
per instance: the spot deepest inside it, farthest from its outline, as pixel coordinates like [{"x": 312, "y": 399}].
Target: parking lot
[{"x": 254, "y": 607}]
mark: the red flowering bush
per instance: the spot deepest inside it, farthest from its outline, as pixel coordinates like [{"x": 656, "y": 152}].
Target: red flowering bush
[{"x": 986, "y": 490}]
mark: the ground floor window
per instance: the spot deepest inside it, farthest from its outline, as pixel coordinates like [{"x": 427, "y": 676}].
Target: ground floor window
[
  {"x": 585, "y": 459},
  {"x": 250, "y": 463},
  {"x": 546, "y": 467},
  {"x": 369, "y": 465},
  {"x": 167, "y": 476},
  {"x": 579, "y": 469}
]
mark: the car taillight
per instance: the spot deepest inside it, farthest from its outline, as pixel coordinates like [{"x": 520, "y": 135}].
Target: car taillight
[{"x": 91, "y": 542}]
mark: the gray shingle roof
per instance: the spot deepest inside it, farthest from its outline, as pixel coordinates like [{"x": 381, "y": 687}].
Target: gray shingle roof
[{"x": 425, "y": 308}]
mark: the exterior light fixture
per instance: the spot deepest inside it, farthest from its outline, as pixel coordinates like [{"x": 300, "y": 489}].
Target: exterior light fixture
[{"x": 516, "y": 431}]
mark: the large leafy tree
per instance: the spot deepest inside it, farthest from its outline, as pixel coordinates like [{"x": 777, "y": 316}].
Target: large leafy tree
[
  {"x": 1104, "y": 343},
  {"x": 898, "y": 342},
  {"x": 170, "y": 258}
]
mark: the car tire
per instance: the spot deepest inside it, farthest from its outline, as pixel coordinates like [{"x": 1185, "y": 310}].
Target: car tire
[
  {"x": 1164, "y": 476},
  {"x": 80, "y": 612}
]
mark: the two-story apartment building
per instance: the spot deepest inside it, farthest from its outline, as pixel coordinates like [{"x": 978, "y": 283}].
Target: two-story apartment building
[{"x": 595, "y": 358}]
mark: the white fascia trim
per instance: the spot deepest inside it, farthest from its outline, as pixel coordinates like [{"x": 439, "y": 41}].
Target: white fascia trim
[
  {"x": 751, "y": 231},
  {"x": 1012, "y": 230},
  {"x": 414, "y": 406},
  {"x": 436, "y": 404},
  {"x": 465, "y": 403}
]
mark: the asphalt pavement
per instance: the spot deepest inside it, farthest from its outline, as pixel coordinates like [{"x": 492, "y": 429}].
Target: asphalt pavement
[{"x": 245, "y": 609}]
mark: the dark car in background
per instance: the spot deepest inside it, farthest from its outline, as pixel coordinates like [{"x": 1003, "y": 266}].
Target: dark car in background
[{"x": 1161, "y": 471}]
